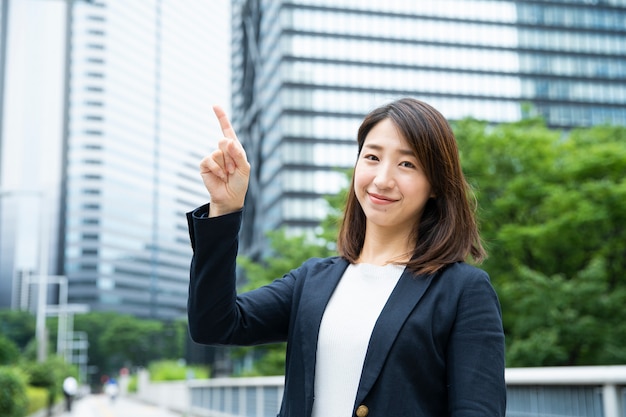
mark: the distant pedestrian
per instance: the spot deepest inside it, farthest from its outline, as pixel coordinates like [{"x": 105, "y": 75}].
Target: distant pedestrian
[
  {"x": 70, "y": 388},
  {"x": 111, "y": 389}
]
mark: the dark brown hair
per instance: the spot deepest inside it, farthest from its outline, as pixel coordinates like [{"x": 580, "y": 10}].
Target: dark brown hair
[{"x": 447, "y": 231}]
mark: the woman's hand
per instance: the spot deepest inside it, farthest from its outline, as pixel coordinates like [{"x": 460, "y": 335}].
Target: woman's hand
[{"x": 226, "y": 171}]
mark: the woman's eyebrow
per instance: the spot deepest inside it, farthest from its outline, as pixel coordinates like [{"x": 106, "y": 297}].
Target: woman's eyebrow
[{"x": 376, "y": 147}]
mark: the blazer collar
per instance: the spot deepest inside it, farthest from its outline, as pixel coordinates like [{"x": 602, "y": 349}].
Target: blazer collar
[
  {"x": 317, "y": 293},
  {"x": 402, "y": 301}
]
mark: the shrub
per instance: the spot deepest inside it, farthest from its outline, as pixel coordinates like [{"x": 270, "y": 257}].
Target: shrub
[
  {"x": 48, "y": 375},
  {"x": 13, "y": 393},
  {"x": 132, "y": 384},
  {"x": 41, "y": 374},
  {"x": 9, "y": 352},
  {"x": 170, "y": 370}
]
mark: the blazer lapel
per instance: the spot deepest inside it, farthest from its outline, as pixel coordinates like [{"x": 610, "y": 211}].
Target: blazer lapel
[
  {"x": 315, "y": 295},
  {"x": 401, "y": 303}
]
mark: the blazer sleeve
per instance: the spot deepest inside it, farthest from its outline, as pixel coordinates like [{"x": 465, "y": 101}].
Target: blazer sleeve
[
  {"x": 476, "y": 359},
  {"x": 217, "y": 314}
]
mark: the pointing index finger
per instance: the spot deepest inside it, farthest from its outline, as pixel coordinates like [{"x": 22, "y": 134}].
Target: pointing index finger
[{"x": 227, "y": 128}]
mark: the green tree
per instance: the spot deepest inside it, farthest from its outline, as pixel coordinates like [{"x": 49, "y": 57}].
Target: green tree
[
  {"x": 117, "y": 340},
  {"x": 18, "y": 326},
  {"x": 553, "y": 215},
  {"x": 9, "y": 352},
  {"x": 130, "y": 341},
  {"x": 173, "y": 339},
  {"x": 94, "y": 324}
]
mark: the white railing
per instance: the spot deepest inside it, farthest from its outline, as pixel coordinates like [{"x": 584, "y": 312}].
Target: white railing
[
  {"x": 234, "y": 397},
  {"x": 585, "y": 391},
  {"x": 567, "y": 391}
]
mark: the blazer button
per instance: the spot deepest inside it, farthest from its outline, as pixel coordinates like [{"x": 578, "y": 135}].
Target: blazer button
[{"x": 362, "y": 411}]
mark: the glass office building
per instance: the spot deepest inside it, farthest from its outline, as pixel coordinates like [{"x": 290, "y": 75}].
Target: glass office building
[
  {"x": 305, "y": 72},
  {"x": 143, "y": 76},
  {"x": 4, "y": 7},
  {"x": 124, "y": 147},
  {"x": 5, "y": 287},
  {"x": 30, "y": 143}
]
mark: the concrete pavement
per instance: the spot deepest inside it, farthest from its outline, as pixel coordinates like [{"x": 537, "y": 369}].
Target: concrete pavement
[{"x": 100, "y": 405}]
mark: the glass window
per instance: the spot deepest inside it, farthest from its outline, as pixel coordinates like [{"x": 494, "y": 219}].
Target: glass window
[
  {"x": 401, "y": 79},
  {"x": 466, "y": 9},
  {"x": 318, "y": 154},
  {"x": 304, "y": 209},
  {"x": 401, "y": 27},
  {"x": 374, "y": 51},
  {"x": 318, "y": 182}
]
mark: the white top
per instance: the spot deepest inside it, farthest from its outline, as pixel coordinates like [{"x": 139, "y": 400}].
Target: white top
[
  {"x": 345, "y": 332},
  {"x": 70, "y": 385}
]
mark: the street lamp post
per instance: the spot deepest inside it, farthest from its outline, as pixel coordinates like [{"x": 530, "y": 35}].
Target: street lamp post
[{"x": 42, "y": 293}]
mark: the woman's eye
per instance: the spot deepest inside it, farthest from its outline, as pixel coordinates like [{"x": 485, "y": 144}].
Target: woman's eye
[
  {"x": 371, "y": 157},
  {"x": 407, "y": 164}
]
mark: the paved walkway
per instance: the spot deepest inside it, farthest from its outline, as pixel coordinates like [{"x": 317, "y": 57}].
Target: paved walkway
[{"x": 99, "y": 405}]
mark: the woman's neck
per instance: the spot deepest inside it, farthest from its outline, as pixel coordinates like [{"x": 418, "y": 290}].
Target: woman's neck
[{"x": 382, "y": 248}]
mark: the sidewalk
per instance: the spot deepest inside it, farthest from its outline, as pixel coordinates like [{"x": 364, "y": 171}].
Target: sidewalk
[{"x": 99, "y": 405}]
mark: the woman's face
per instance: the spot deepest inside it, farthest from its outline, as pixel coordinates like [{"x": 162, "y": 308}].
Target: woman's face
[{"x": 389, "y": 182}]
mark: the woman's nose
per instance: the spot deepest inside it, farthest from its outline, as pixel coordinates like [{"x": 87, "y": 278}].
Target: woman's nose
[{"x": 384, "y": 177}]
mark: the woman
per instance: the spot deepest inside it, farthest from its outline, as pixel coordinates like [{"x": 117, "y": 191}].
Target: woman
[{"x": 398, "y": 324}]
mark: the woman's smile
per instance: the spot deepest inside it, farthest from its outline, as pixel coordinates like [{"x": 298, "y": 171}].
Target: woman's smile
[{"x": 380, "y": 199}]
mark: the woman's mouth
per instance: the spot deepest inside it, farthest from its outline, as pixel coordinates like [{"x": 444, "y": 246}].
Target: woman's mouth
[{"x": 380, "y": 199}]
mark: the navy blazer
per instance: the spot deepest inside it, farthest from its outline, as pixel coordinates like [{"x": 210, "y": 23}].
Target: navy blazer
[{"x": 436, "y": 350}]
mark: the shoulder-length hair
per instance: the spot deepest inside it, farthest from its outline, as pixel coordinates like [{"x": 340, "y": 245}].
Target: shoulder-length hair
[{"x": 447, "y": 231}]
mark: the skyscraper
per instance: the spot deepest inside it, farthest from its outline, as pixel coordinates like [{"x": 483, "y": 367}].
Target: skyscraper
[
  {"x": 143, "y": 78},
  {"x": 140, "y": 80},
  {"x": 306, "y": 72},
  {"x": 30, "y": 143},
  {"x": 3, "y": 41},
  {"x": 5, "y": 288}
]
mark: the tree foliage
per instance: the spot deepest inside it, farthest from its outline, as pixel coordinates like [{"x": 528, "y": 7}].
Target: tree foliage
[
  {"x": 9, "y": 352},
  {"x": 17, "y": 326},
  {"x": 117, "y": 340},
  {"x": 114, "y": 341},
  {"x": 553, "y": 215}
]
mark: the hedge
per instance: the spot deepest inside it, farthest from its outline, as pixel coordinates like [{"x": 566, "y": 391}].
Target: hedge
[{"x": 13, "y": 400}]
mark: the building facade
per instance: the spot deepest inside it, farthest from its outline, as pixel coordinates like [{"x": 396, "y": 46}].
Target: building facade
[
  {"x": 3, "y": 42},
  {"x": 305, "y": 72},
  {"x": 140, "y": 78},
  {"x": 30, "y": 143},
  {"x": 142, "y": 81}
]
